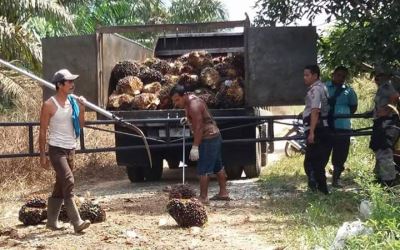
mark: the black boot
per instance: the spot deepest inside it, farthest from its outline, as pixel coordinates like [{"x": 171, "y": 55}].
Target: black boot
[
  {"x": 336, "y": 179},
  {"x": 323, "y": 188}
]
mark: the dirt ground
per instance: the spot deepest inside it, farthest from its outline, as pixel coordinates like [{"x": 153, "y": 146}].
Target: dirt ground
[{"x": 137, "y": 218}]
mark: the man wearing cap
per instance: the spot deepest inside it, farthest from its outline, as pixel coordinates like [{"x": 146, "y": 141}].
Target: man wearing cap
[
  {"x": 315, "y": 120},
  {"x": 384, "y": 132},
  {"x": 62, "y": 116}
]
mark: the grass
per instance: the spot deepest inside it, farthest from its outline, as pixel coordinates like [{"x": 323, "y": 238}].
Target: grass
[{"x": 315, "y": 218}]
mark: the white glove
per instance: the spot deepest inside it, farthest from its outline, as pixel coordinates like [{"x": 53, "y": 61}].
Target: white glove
[
  {"x": 184, "y": 121},
  {"x": 194, "y": 153}
]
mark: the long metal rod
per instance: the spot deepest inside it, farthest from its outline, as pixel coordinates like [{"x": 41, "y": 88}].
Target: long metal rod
[{"x": 90, "y": 105}]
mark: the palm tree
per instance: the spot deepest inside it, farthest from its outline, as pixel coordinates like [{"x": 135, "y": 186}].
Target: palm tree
[
  {"x": 189, "y": 11},
  {"x": 19, "y": 39}
]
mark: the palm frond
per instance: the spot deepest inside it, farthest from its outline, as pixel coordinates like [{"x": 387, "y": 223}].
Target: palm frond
[
  {"x": 11, "y": 91},
  {"x": 18, "y": 43}
]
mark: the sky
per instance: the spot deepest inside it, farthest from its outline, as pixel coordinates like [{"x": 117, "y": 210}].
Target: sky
[{"x": 237, "y": 8}]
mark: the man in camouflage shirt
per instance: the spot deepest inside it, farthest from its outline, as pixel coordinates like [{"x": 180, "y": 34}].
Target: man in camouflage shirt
[
  {"x": 385, "y": 132},
  {"x": 316, "y": 127}
]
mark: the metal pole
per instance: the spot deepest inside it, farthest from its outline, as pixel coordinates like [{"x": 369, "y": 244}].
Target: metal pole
[
  {"x": 183, "y": 154},
  {"x": 86, "y": 103}
]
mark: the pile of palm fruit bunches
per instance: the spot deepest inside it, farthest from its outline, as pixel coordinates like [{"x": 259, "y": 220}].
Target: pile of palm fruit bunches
[
  {"x": 34, "y": 211},
  {"x": 146, "y": 85},
  {"x": 186, "y": 210}
]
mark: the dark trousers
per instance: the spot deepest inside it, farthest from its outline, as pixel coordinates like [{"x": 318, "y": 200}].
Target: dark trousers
[
  {"x": 340, "y": 150},
  {"x": 316, "y": 158},
  {"x": 62, "y": 161}
]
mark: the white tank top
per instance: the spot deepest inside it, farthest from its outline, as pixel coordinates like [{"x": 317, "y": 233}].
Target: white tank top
[{"x": 61, "y": 128}]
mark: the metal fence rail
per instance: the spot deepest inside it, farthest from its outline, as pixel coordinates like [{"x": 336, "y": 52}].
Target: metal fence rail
[{"x": 253, "y": 120}]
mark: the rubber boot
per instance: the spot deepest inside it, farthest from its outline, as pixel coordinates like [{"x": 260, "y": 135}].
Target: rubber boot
[
  {"x": 53, "y": 211},
  {"x": 323, "y": 188},
  {"x": 336, "y": 179},
  {"x": 73, "y": 215}
]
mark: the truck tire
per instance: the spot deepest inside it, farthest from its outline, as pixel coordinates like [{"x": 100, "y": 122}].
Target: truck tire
[
  {"x": 264, "y": 150},
  {"x": 234, "y": 172},
  {"x": 135, "y": 174},
  {"x": 254, "y": 170},
  {"x": 154, "y": 173},
  {"x": 139, "y": 173}
]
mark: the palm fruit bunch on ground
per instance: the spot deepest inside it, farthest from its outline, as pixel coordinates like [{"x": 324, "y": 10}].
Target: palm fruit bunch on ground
[
  {"x": 33, "y": 211},
  {"x": 182, "y": 191},
  {"x": 187, "y": 212},
  {"x": 93, "y": 212},
  {"x": 87, "y": 210},
  {"x": 63, "y": 216},
  {"x": 218, "y": 81}
]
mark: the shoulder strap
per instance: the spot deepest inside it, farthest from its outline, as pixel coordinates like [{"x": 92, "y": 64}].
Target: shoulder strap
[{"x": 55, "y": 101}]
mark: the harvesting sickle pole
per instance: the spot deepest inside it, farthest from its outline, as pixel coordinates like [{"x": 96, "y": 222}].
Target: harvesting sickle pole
[{"x": 87, "y": 104}]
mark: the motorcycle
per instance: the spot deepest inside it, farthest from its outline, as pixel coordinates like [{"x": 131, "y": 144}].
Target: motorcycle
[{"x": 296, "y": 146}]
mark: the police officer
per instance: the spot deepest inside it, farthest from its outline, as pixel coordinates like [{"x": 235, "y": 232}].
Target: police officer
[
  {"x": 385, "y": 132},
  {"x": 317, "y": 130}
]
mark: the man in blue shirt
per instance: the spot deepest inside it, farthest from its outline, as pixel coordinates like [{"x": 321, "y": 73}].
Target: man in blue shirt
[{"x": 342, "y": 100}]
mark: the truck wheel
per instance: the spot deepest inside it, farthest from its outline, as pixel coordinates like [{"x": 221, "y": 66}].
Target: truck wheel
[
  {"x": 253, "y": 171},
  {"x": 154, "y": 173},
  {"x": 264, "y": 151},
  {"x": 142, "y": 173},
  {"x": 135, "y": 174},
  {"x": 234, "y": 172}
]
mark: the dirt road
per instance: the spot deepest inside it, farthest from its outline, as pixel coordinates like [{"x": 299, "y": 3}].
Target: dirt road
[{"x": 137, "y": 218}]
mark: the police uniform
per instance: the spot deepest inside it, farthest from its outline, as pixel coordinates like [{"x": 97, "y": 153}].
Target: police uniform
[
  {"x": 317, "y": 154},
  {"x": 384, "y": 134}
]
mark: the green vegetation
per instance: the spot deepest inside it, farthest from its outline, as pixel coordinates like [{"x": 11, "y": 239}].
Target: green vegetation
[
  {"x": 364, "y": 31},
  {"x": 315, "y": 218}
]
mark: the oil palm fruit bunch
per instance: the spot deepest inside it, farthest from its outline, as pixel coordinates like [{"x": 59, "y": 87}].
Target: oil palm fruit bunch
[
  {"x": 154, "y": 87},
  {"x": 145, "y": 101},
  {"x": 207, "y": 96},
  {"x": 122, "y": 69},
  {"x": 120, "y": 101},
  {"x": 187, "y": 212},
  {"x": 93, "y": 212},
  {"x": 199, "y": 60},
  {"x": 148, "y": 75},
  {"x": 210, "y": 77},
  {"x": 190, "y": 82},
  {"x": 33, "y": 211},
  {"x": 165, "y": 99},
  {"x": 162, "y": 66},
  {"x": 182, "y": 191},
  {"x": 130, "y": 85},
  {"x": 231, "y": 94},
  {"x": 32, "y": 215}
]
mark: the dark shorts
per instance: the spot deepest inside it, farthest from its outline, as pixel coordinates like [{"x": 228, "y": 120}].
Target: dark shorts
[{"x": 210, "y": 159}]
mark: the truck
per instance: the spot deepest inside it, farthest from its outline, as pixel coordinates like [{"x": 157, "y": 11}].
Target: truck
[{"x": 274, "y": 60}]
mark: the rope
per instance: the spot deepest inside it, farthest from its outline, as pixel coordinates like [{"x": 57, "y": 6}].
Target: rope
[{"x": 123, "y": 133}]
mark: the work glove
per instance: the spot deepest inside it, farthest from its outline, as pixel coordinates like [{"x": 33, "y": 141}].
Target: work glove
[
  {"x": 194, "y": 153},
  {"x": 184, "y": 121}
]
